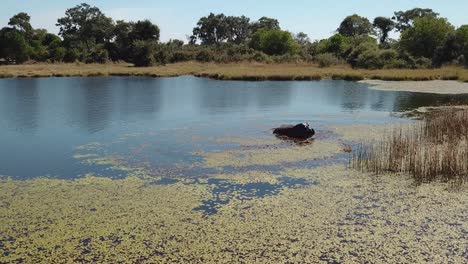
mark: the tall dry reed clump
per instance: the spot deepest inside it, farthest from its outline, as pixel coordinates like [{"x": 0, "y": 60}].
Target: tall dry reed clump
[{"x": 434, "y": 149}]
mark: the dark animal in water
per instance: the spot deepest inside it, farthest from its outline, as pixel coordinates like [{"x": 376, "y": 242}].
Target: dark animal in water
[{"x": 300, "y": 131}]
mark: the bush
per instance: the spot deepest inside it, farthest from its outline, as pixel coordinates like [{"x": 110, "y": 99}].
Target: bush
[
  {"x": 144, "y": 53},
  {"x": 98, "y": 55},
  {"x": 327, "y": 59},
  {"x": 182, "y": 55},
  {"x": 58, "y": 54},
  {"x": 72, "y": 55},
  {"x": 336, "y": 44},
  {"x": 259, "y": 56},
  {"x": 205, "y": 55},
  {"x": 274, "y": 42}
]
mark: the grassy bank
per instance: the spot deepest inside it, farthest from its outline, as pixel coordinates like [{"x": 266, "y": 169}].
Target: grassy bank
[{"x": 235, "y": 71}]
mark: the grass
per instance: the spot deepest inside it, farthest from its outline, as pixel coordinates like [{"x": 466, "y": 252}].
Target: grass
[
  {"x": 434, "y": 149},
  {"x": 234, "y": 71}
]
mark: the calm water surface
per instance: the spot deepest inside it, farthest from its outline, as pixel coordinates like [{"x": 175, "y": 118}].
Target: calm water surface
[{"x": 161, "y": 121}]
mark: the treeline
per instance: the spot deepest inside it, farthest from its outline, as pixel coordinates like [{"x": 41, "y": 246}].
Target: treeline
[{"x": 88, "y": 35}]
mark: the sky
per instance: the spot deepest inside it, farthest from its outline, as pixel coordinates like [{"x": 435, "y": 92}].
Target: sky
[{"x": 176, "y": 18}]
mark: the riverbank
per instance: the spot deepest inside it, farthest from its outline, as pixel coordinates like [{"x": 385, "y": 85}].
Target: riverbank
[{"x": 234, "y": 71}]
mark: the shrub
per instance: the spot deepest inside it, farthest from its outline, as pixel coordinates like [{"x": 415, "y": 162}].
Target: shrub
[
  {"x": 327, "y": 60},
  {"x": 205, "y": 55},
  {"x": 72, "y": 55},
  {"x": 274, "y": 42},
  {"x": 98, "y": 55},
  {"x": 58, "y": 54},
  {"x": 144, "y": 53}
]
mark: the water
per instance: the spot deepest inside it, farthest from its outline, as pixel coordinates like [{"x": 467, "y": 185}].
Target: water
[{"x": 159, "y": 122}]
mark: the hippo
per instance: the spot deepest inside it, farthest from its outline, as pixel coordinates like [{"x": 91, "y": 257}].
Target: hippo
[{"x": 300, "y": 131}]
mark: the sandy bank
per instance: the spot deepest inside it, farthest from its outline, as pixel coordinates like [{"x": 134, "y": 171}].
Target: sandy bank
[{"x": 436, "y": 87}]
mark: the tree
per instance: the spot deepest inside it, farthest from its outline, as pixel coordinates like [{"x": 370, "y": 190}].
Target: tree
[
  {"x": 21, "y": 22},
  {"x": 13, "y": 45},
  {"x": 265, "y": 23},
  {"x": 405, "y": 19},
  {"x": 383, "y": 26},
  {"x": 425, "y": 36},
  {"x": 216, "y": 29},
  {"x": 211, "y": 29},
  {"x": 87, "y": 25},
  {"x": 238, "y": 29},
  {"x": 336, "y": 44},
  {"x": 302, "y": 39},
  {"x": 144, "y": 30},
  {"x": 274, "y": 42},
  {"x": 354, "y": 26}
]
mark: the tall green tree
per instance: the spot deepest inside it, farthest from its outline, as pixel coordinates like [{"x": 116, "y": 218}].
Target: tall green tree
[
  {"x": 265, "y": 23},
  {"x": 13, "y": 46},
  {"x": 405, "y": 19},
  {"x": 383, "y": 26},
  {"x": 238, "y": 29},
  {"x": 21, "y": 22},
  {"x": 144, "y": 30},
  {"x": 355, "y": 25},
  {"x": 211, "y": 29},
  {"x": 87, "y": 25},
  {"x": 425, "y": 36}
]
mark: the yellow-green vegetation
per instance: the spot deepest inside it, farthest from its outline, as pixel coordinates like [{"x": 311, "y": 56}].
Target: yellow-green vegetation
[
  {"x": 84, "y": 156},
  {"x": 235, "y": 71},
  {"x": 250, "y": 142},
  {"x": 433, "y": 149},
  {"x": 270, "y": 155},
  {"x": 249, "y": 177},
  {"x": 349, "y": 217}
]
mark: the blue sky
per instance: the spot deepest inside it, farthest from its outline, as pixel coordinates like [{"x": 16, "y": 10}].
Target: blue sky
[{"x": 176, "y": 18}]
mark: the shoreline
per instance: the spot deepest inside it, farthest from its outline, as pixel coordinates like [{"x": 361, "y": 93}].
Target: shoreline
[
  {"x": 448, "y": 80},
  {"x": 233, "y": 71}
]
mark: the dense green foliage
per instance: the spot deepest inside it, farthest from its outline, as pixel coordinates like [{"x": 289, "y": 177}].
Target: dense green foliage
[
  {"x": 88, "y": 35},
  {"x": 354, "y": 26},
  {"x": 274, "y": 42}
]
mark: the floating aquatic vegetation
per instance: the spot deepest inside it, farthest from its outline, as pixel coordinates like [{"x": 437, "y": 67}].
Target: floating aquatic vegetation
[
  {"x": 93, "y": 146},
  {"x": 84, "y": 156},
  {"x": 269, "y": 156},
  {"x": 348, "y": 217},
  {"x": 250, "y": 142}
]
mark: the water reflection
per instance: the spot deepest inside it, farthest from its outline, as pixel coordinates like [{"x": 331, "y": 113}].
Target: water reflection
[
  {"x": 20, "y": 105},
  {"x": 407, "y": 101},
  {"x": 41, "y": 120}
]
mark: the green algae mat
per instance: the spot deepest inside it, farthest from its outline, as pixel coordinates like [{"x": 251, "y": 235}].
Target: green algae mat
[{"x": 262, "y": 201}]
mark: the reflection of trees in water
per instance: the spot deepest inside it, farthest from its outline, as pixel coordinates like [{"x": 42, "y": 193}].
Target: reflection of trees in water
[
  {"x": 90, "y": 102},
  {"x": 353, "y": 96},
  {"x": 96, "y": 102},
  {"x": 408, "y": 101},
  {"x": 137, "y": 97},
  {"x": 219, "y": 96},
  {"x": 20, "y": 104}
]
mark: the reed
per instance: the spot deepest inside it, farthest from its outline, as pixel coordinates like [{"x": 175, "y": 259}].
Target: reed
[{"x": 433, "y": 149}]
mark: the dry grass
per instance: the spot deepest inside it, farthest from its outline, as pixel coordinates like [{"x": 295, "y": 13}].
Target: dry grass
[
  {"x": 234, "y": 71},
  {"x": 434, "y": 149}
]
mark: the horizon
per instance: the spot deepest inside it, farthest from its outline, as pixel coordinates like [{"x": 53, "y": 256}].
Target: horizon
[{"x": 176, "y": 20}]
